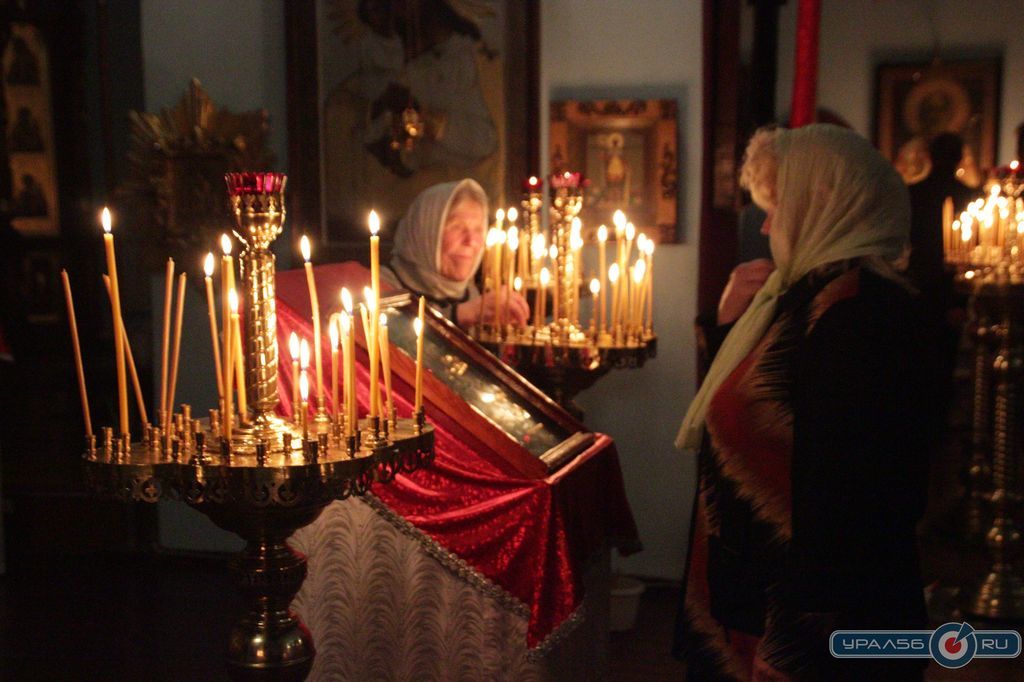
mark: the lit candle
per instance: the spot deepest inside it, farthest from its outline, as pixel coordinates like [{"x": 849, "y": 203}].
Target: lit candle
[
  {"x": 82, "y": 393},
  {"x": 555, "y": 297},
  {"x": 348, "y": 369},
  {"x": 179, "y": 311},
  {"x": 229, "y": 361},
  {"x": 630, "y": 233},
  {"x": 595, "y": 293},
  {"x": 649, "y": 250},
  {"x": 542, "y": 298},
  {"x": 332, "y": 330},
  {"x": 293, "y": 351},
  {"x": 304, "y": 409},
  {"x": 115, "y": 304},
  {"x": 226, "y": 266},
  {"x": 947, "y": 223},
  {"x": 537, "y": 250},
  {"x": 521, "y": 236},
  {"x": 212, "y": 313},
  {"x": 385, "y": 361},
  {"x": 513, "y": 252},
  {"x": 639, "y": 278},
  {"x": 576, "y": 247},
  {"x": 165, "y": 359},
  {"x": 132, "y": 371},
  {"x": 315, "y": 304},
  {"x": 370, "y": 327},
  {"x": 349, "y": 360},
  {"x": 236, "y": 335},
  {"x": 418, "y": 327},
  {"x": 602, "y": 238},
  {"x": 613, "y": 278},
  {"x": 303, "y": 366},
  {"x": 374, "y": 265}
]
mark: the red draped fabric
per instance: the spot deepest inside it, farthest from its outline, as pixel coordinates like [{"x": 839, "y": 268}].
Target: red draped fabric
[
  {"x": 805, "y": 75},
  {"x": 532, "y": 537}
]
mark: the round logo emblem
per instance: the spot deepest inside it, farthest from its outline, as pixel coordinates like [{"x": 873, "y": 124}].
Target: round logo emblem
[{"x": 953, "y": 645}]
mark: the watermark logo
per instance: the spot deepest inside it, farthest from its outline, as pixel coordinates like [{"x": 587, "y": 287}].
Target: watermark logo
[{"x": 952, "y": 645}]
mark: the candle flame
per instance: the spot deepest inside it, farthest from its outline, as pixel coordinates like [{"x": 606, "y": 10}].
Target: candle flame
[
  {"x": 374, "y": 223},
  {"x": 619, "y": 219},
  {"x": 500, "y": 237},
  {"x": 417, "y": 326},
  {"x": 513, "y": 239},
  {"x": 225, "y": 244},
  {"x": 613, "y": 273},
  {"x": 208, "y": 264},
  {"x": 538, "y": 246},
  {"x": 595, "y": 286},
  {"x": 641, "y": 241},
  {"x": 512, "y": 214},
  {"x": 105, "y": 219},
  {"x": 639, "y": 270},
  {"x": 630, "y": 231},
  {"x": 649, "y": 247},
  {"x": 383, "y": 320},
  {"x": 304, "y": 354},
  {"x": 499, "y": 216},
  {"x": 371, "y": 301},
  {"x": 602, "y": 233},
  {"x": 545, "y": 276},
  {"x": 332, "y": 331},
  {"x": 1014, "y": 164},
  {"x": 233, "y": 301},
  {"x": 304, "y": 386},
  {"x": 553, "y": 252},
  {"x": 533, "y": 181},
  {"x": 346, "y": 300},
  {"x": 293, "y": 346},
  {"x": 517, "y": 283},
  {"x": 305, "y": 248}
]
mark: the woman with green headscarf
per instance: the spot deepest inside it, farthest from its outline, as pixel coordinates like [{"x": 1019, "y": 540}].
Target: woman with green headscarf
[
  {"x": 811, "y": 426},
  {"x": 439, "y": 244}
]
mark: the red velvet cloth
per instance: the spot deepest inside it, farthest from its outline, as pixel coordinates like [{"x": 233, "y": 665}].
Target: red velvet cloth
[
  {"x": 531, "y": 537},
  {"x": 805, "y": 75}
]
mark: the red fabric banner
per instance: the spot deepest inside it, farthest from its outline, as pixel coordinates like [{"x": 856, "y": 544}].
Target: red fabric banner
[
  {"x": 531, "y": 537},
  {"x": 805, "y": 73}
]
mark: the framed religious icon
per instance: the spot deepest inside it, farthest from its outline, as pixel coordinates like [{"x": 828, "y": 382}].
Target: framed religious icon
[
  {"x": 916, "y": 102},
  {"x": 406, "y": 94},
  {"x": 629, "y": 152},
  {"x": 30, "y": 138}
]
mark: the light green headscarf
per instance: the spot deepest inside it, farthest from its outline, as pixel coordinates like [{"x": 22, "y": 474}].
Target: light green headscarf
[{"x": 838, "y": 198}]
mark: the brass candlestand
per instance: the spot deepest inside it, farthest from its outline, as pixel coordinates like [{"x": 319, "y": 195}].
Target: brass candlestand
[
  {"x": 998, "y": 297},
  {"x": 564, "y": 356},
  {"x": 268, "y": 477}
]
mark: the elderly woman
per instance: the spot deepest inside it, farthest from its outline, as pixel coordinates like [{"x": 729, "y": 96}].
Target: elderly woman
[
  {"x": 812, "y": 426},
  {"x": 439, "y": 244}
]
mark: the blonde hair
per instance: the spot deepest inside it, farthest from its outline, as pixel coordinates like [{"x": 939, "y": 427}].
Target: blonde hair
[{"x": 759, "y": 173}]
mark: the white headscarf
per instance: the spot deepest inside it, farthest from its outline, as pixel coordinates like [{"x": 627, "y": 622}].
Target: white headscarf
[
  {"x": 838, "y": 198},
  {"x": 416, "y": 257}
]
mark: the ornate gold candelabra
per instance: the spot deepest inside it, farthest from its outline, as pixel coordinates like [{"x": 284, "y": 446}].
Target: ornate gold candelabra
[
  {"x": 563, "y": 355},
  {"x": 984, "y": 246},
  {"x": 265, "y": 477}
]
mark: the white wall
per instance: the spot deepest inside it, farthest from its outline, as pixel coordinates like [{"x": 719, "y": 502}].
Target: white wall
[
  {"x": 858, "y": 35},
  {"x": 236, "y": 50},
  {"x": 651, "y": 48}
]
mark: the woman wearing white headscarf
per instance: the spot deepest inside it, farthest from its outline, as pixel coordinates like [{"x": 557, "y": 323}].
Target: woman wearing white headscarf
[
  {"x": 811, "y": 425},
  {"x": 439, "y": 244}
]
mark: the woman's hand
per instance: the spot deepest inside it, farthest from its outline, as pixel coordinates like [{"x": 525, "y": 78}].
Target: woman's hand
[
  {"x": 481, "y": 309},
  {"x": 744, "y": 281}
]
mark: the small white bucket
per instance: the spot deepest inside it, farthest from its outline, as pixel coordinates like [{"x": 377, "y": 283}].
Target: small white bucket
[{"x": 625, "y": 595}]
